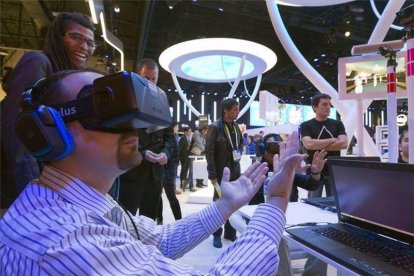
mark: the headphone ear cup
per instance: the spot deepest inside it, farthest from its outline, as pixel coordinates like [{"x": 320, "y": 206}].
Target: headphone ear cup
[
  {"x": 262, "y": 149},
  {"x": 44, "y": 134}
]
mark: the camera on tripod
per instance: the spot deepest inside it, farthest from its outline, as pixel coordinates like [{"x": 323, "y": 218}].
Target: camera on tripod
[
  {"x": 406, "y": 17},
  {"x": 387, "y": 51}
]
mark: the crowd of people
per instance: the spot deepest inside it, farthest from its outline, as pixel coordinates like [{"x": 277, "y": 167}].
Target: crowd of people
[{"x": 98, "y": 209}]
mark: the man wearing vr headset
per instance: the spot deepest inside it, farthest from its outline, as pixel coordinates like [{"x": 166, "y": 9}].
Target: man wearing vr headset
[
  {"x": 66, "y": 223},
  {"x": 271, "y": 148}
]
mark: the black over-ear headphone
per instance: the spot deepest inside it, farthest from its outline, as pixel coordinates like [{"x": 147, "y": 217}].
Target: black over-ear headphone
[{"x": 41, "y": 128}]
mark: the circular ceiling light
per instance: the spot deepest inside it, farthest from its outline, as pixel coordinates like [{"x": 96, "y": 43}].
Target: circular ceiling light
[{"x": 217, "y": 60}]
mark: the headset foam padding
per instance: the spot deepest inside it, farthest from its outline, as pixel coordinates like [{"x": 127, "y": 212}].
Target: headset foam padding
[{"x": 44, "y": 134}]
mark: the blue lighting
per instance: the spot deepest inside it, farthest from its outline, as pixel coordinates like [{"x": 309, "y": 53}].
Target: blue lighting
[{"x": 215, "y": 67}]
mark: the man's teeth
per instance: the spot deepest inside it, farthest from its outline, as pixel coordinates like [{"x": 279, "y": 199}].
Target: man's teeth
[{"x": 81, "y": 55}]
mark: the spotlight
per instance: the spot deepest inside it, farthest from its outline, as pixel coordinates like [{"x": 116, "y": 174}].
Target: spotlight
[
  {"x": 347, "y": 33},
  {"x": 171, "y": 4}
]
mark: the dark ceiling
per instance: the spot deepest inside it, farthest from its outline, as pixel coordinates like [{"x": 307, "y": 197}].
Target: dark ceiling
[{"x": 148, "y": 27}]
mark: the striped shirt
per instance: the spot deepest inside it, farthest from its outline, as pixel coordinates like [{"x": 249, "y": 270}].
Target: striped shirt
[{"x": 60, "y": 225}]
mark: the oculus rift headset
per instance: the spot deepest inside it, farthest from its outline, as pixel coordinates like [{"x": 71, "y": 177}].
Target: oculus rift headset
[
  {"x": 270, "y": 146},
  {"x": 116, "y": 103}
]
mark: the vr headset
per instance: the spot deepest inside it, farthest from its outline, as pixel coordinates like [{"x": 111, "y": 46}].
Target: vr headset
[
  {"x": 116, "y": 103},
  {"x": 271, "y": 146}
]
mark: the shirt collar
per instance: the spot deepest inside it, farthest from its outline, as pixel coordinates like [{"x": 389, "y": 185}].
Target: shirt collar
[{"x": 75, "y": 191}]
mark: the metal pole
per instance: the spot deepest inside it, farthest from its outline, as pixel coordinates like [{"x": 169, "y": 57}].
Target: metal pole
[
  {"x": 392, "y": 111},
  {"x": 410, "y": 92}
]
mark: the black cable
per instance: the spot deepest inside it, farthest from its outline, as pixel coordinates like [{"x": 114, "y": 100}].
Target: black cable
[{"x": 129, "y": 215}]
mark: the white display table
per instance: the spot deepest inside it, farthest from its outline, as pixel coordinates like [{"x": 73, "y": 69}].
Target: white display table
[{"x": 205, "y": 195}]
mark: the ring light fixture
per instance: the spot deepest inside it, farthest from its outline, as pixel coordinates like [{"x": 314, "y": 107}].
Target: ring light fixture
[{"x": 217, "y": 60}]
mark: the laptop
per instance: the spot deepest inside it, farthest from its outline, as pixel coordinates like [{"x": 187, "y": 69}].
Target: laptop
[
  {"x": 327, "y": 203},
  {"x": 375, "y": 232},
  {"x": 355, "y": 158}
]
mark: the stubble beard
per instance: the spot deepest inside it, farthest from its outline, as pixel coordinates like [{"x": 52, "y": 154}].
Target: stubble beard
[{"x": 128, "y": 156}]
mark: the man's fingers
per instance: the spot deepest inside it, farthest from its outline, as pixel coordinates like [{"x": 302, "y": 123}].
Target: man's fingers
[
  {"x": 258, "y": 181},
  {"x": 292, "y": 144},
  {"x": 259, "y": 175},
  {"x": 226, "y": 175},
  {"x": 293, "y": 141},
  {"x": 294, "y": 160},
  {"x": 251, "y": 169}
]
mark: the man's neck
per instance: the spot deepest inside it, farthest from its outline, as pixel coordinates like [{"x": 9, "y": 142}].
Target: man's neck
[
  {"x": 321, "y": 118},
  {"x": 101, "y": 181},
  {"x": 227, "y": 121},
  {"x": 405, "y": 158}
]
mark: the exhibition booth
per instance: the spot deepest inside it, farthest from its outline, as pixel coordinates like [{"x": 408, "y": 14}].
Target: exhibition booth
[{"x": 371, "y": 191}]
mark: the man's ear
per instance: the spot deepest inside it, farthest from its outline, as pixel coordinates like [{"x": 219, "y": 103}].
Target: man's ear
[{"x": 75, "y": 128}]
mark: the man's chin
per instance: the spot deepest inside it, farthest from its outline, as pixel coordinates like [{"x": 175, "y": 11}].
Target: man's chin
[
  {"x": 80, "y": 64},
  {"x": 126, "y": 164}
]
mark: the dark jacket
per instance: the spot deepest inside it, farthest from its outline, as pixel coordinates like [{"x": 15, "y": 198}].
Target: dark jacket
[
  {"x": 219, "y": 153},
  {"x": 184, "y": 148},
  {"x": 306, "y": 182},
  {"x": 158, "y": 141},
  {"x": 18, "y": 166},
  {"x": 170, "y": 169}
]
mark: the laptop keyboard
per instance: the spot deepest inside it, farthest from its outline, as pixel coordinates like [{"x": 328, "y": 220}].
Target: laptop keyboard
[{"x": 381, "y": 252}]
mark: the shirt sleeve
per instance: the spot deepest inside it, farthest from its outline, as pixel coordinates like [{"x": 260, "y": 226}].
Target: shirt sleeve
[
  {"x": 101, "y": 249},
  {"x": 341, "y": 128},
  {"x": 169, "y": 142},
  {"x": 305, "y": 130},
  {"x": 240, "y": 135},
  {"x": 190, "y": 231},
  {"x": 210, "y": 151},
  {"x": 307, "y": 182},
  {"x": 22, "y": 166},
  {"x": 255, "y": 252},
  {"x": 197, "y": 140}
]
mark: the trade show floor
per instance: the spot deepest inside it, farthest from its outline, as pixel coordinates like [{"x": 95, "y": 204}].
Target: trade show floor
[{"x": 204, "y": 255}]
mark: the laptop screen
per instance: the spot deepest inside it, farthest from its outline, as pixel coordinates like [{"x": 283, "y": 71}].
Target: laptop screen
[
  {"x": 377, "y": 196},
  {"x": 356, "y": 158}
]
